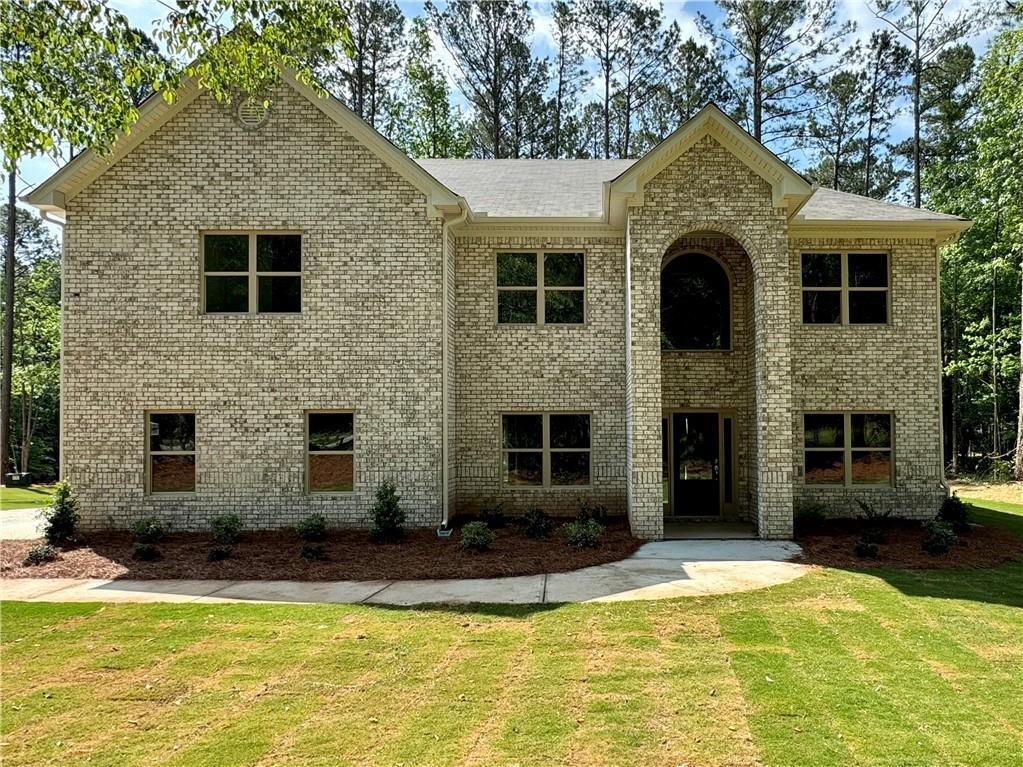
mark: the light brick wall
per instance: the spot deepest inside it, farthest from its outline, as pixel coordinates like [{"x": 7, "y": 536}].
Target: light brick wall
[
  {"x": 368, "y": 338},
  {"x": 509, "y": 368}
]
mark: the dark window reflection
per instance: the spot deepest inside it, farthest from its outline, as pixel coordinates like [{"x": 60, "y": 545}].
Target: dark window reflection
[
  {"x": 331, "y": 431},
  {"x": 694, "y": 304},
  {"x": 522, "y": 431}
]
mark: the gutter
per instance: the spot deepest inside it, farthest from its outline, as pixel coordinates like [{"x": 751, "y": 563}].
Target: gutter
[{"x": 463, "y": 207}]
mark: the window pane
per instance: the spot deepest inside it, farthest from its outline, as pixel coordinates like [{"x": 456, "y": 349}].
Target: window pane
[
  {"x": 570, "y": 468},
  {"x": 523, "y": 469},
  {"x": 522, "y": 431},
  {"x": 563, "y": 270},
  {"x": 516, "y": 306},
  {"x": 871, "y": 430},
  {"x": 563, "y": 307},
  {"x": 824, "y": 430},
  {"x": 226, "y": 252},
  {"x": 172, "y": 473},
  {"x": 331, "y": 431},
  {"x": 280, "y": 294},
  {"x": 868, "y": 307},
  {"x": 822, "y": 307},
  {"x": 872, "y": 468},
  {"x": 227, "y": 294},
  {"x": 570, "y": 431},
  {"x": 695, "y": 304},
  {"x": 822, "y": 270},
  {"x": 171, "y": 431},
  {"x": 824, "y": 468},
  {"x": 331, "y": 473},
  {"x": 868, "y": 270},
  {"x": 516, "y": 270},
  {"x": 279, "y": 252}
]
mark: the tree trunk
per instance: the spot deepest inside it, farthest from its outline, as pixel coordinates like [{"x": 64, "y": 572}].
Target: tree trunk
[
  {"x": 917, "y": 67},
  {"x": 8, "y": 352}
]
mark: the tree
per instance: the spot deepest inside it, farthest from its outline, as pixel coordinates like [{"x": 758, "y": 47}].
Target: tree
[
  {"x": 603, "y": 26},
  {"x": 568, "y": 73},
  {"x": 782, "y": 48},
  {"x": 834, "y": 126},
  {"x": 886, "y": 63},
  {"x": 528, "y": 129}
]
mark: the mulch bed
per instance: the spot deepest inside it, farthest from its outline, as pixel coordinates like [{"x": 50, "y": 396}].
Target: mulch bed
[
  {"x": 833, "y": 546},
  {"x": 352, "y": 555}
]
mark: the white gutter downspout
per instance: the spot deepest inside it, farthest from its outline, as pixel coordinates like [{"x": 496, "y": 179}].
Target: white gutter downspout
[{"x": 445, "y": 353}]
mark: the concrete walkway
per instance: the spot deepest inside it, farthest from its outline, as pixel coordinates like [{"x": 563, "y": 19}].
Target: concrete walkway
[
  {"x": 660, "y": 570},
  {"x": 21, "y": 524}
]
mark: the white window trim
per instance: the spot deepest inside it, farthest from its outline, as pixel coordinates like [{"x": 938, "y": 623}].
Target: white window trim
[
  {"x": 150, "y": 453},
  {"x": 541, "y": 288},
  {"x": 845, "y": 289},
  {"x": 848, "y": 450},
  {"x": 308, "y": 452},
  {"x": 545, "y": 450},
  {"x": 252, "y": 273}
]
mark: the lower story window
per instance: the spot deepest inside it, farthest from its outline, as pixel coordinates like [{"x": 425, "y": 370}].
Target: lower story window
[
  {"x": 545, "y": 449},
  {"x": 171, "y": 452},
  {"x": 330, "y": 452},
  {"x": 847, "y": 448}
]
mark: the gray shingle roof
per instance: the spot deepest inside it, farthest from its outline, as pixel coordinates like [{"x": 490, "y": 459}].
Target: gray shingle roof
[
  {"x": 828, "y": 205},
  {"x": 527, "y": 188}
]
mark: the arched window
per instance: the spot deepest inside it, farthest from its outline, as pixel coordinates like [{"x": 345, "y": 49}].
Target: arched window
[{"x": 695, "y": 310}]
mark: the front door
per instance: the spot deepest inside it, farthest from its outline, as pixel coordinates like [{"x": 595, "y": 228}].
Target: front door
[{"x": 696, "y": 465}]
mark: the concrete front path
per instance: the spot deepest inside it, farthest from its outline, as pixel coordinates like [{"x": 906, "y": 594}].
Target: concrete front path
[
  {"x": 660, "y": 570},
  {"x": 21, "y": 524}
]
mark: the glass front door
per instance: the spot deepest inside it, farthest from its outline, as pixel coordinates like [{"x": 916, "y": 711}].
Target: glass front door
[{"x": 695, "y": 464}]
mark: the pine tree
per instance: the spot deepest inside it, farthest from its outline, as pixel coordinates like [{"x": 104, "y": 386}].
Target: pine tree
[
  {"x": 568, "y": 72},
  {"x": 834, "y": 127}
]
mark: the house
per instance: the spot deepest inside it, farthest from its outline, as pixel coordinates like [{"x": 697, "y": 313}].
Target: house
[{"x": 270, "y": 311}]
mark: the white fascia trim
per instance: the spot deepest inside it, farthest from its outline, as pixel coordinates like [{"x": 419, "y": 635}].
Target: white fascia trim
[{"x": 938, "y": 231}]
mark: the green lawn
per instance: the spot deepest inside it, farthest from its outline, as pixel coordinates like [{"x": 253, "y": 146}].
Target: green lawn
[
  {"x": 25, "y": 497},
  {"x": 835, "y": 668}
]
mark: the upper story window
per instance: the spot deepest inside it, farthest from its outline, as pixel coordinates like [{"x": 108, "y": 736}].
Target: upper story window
[
  {"x": 249, "y": 273},
  {"x": 170, "y": 452},
  {"x": 544, "y": 288},
  {"x": 845, "y": 288},
  {"x": 695, "y": 304}
]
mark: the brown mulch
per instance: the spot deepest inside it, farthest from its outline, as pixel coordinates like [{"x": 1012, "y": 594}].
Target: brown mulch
[
  {"x": 833, "y": 546},
  {"x": 352, "y": 555}
]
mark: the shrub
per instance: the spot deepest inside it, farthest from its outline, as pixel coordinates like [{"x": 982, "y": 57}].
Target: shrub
[
  {"x": 1000, "y": 471},
  {"x": 866, "y": 549},
  {"x": 583, "y": 534},
  {"x": 809, "y": 518},
  {"x": 226, "y": 528},
  {"x": 62, "y": 515},
  {"x": 219, "y": 553},
  {"x": 939, "y": 537},
  {"x": 536, "y": 524},
  {"x": 388, "y": 516},
  {"x": 313, "y": 551},
  {"x": 956, "y": 513},
  {"x": 871, "y": 514},
  {"x": 313, "y": 528},
  {"x": 493, "y": 516},
  {"x": 149, "y": 529},
  {"x": 874, "y": 534},
  {"x": 40, "y": 554},
  {"x": 873, "y": 531},
  {"x": 476, "y": 536},
  {"x": 146, "y": 552},
  {"x": 592, "y": 511}
]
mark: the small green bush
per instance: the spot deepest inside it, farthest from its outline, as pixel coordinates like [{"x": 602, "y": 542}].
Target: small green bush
[
  {"x": 592, "y": 511},
  {"x": 146, "y": 552},
  {"x": 149, "y": 529},
  {"x": 388, "y": 516},
  {"x": 218, "y": 553},
  {"x": 313, "y": 528},
  {"x": 874, "y": 534},
  {"x": 810, "y": 517},
  {"x": 866, "y": 549},
  {"x": 493, "y": 515},
  {"x": 536, "y": 524},
  {"x": 476, "y": 536},
  {"x": 583, "y": 534},
  {"x": 62, "y": 515},
  {"x": 41, "y": 554},
  {"x": 873, "y": 515},
  {"x": 956, "y": 513},
  {"x": 313, "y": 551},
  {"x": 939, "y": 537},
  {"x": 1000, "y": 471},
  {"x": 227, "y": 528}
]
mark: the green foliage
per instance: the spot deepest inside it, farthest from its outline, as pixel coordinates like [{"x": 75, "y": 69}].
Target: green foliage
[
  {"x": 809, "y": 517},
  {"x": 955, "y": 513},
  {"x": 536, "y": 523},
  {"x": 313, "y": 528},
  {"x": 939, "y": 537},
  {"x": 595, "y": 511},
  {"x": 218, "y": 553},
  {"x": 41, "y": 554},
  {"x": 227, "y": 528},
  {"x": 149, "y": 529},
  {"x": 866, "y": 549},
  {"x": 476, "y": 536},
  {"x": 388, "y": 516},
  {"x": 146, "y": 552},
  {"x": 313, "y": 552},
  {"x": 583, "y": 534},
  {"x": 62, "y": 515},
  {"x": 493, "y": 515}
]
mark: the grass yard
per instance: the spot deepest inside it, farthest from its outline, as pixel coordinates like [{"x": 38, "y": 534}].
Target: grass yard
[
  {"x": 835, "y": 668},
  {"x": 30, "y": 497}
]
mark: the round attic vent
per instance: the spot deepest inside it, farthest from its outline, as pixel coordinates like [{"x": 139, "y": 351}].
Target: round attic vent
[{"x": 252, "y": 113}]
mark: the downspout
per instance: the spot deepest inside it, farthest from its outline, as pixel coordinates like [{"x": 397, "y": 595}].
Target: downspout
[{"x": 445, "y": 353}]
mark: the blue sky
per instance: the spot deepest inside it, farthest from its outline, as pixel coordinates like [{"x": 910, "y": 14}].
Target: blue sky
[{"x": 143, "y": 14}]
